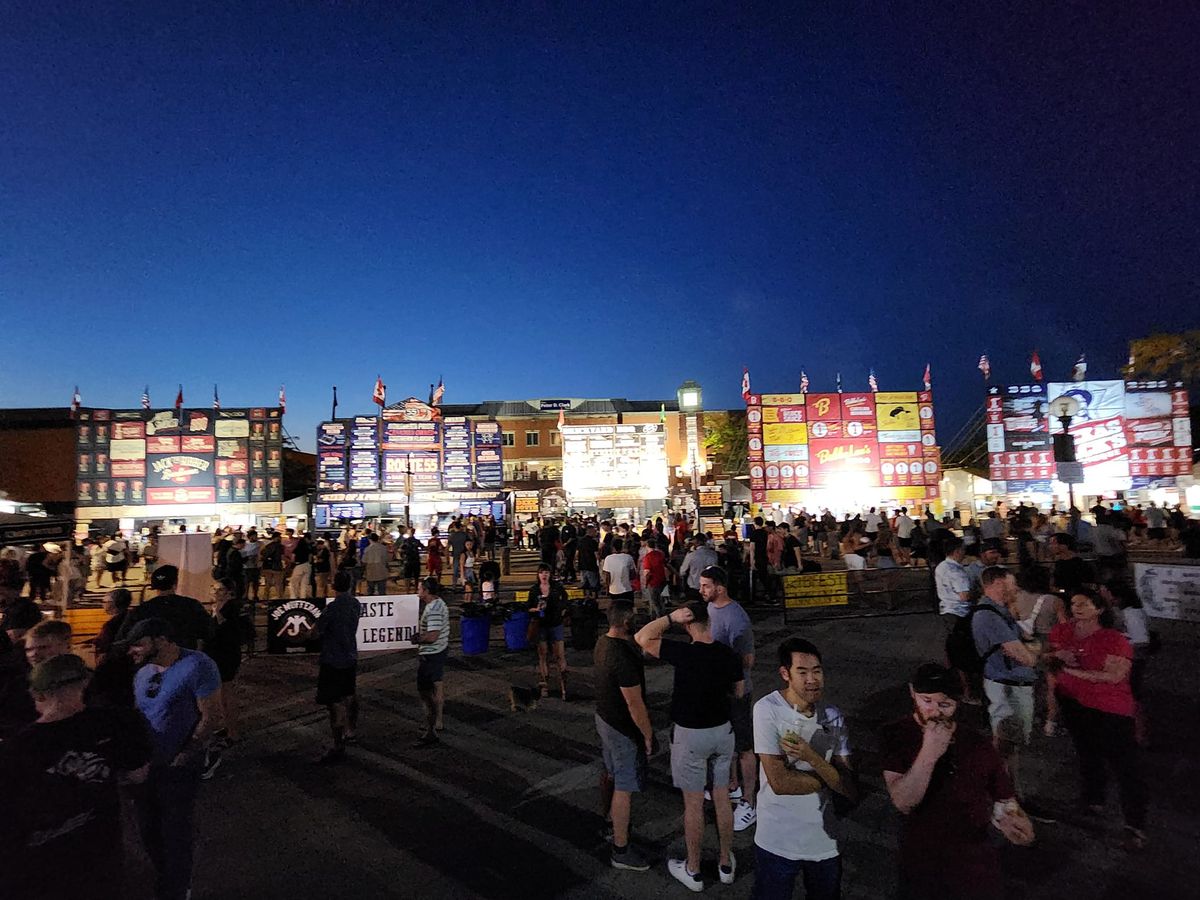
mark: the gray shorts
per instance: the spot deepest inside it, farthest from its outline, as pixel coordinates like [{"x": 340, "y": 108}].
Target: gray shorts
[
  {"x": 624, "y": 758},
  {"x": 1010, "y": 709},
  {"x": 696, "y": 753}
]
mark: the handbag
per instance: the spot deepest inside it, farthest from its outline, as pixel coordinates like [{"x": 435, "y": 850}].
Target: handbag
[{"x": 533, "y": 629}]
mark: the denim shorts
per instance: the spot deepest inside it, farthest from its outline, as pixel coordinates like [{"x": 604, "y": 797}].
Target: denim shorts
[
  {"x": 590, "y": 581},
  {"x": 624, "y": 758}
]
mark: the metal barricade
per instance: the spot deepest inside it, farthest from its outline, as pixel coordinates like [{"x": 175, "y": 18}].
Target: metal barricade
[{"x": 867, "y": 592}]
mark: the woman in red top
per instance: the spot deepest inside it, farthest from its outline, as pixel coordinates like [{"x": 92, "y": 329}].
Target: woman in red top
[
  {"x": 1096, "y": 702},
  {"x": 433, "y": 554}
]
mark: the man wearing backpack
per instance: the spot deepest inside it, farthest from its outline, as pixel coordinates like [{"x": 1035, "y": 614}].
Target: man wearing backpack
[
  {"x": 1009, "y": 673},
  {"x": 953, "y": 585}
]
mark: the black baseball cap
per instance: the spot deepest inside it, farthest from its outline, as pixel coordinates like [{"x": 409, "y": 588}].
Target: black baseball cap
[
  {"x": 57, "y": 672},
  {"x": 164, "y": 577},
  {"x": 934, "y": 678},
  {"x": 149, "y": 628}
]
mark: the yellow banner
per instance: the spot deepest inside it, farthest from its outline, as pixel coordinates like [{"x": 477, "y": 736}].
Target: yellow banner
[
  {"x": 789, "y": 496},
  {"x": 526, "y": 505},
  {"x": 895, "y": 397},
  {"x": 788, "y": 399},
  {"x": 789, "y": 433},
  {"x": 904, "y": 493},
  {"x": 898, "y": 416},
  {"x": 824, "y": 589}
]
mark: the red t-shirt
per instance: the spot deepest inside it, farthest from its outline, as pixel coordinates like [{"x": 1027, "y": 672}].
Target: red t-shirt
[
  {"x": 653, "y": 564},
  {"x": 1092, "y": 651},
  {"x": 945, "y": 843}
]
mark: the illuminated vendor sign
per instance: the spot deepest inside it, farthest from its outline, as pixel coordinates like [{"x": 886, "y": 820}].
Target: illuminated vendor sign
[
  {"x": 614, "y": 463},
  {"x": 846, "y": 441},
  {"x": 131, "y": 457}
]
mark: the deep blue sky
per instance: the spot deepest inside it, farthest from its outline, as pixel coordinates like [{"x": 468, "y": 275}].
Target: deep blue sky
[{"x": 587, "y": 201}]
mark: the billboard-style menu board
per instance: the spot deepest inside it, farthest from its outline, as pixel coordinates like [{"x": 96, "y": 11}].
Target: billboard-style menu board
[
  {"x": 408, "y": 448},
  {"x": 608, "y": 464},
  {"x": 1129, "y": 435},
  {"x": 842, "y": 441},
  {"x": 147, "y": 457}
]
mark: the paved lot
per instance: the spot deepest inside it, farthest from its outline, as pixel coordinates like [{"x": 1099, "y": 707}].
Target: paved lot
[{"x": 507, "y": 807}]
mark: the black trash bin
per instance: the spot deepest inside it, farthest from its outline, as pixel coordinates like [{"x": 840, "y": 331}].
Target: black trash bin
[{"x": 585, "y": 624}]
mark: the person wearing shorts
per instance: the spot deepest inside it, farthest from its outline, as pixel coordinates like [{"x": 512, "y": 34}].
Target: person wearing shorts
[
  {"x": 708, "y": 675},
  {"x": 623, "y": 726},
  {"x": 433, "y": 638},
  {"x": 548, "y": 602},
  {"x": 338, "y": 670},
  {"x": 1009, "y": 675}
]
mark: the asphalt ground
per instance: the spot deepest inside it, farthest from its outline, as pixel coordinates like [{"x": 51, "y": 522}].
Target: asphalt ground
[{"x": 507, "y": 806}]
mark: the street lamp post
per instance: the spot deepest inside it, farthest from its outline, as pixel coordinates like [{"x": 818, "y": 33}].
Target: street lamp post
[{"x": 691, "y": 403}]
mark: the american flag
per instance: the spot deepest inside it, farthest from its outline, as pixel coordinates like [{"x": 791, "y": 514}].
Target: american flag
[
  {"x": 216, "y": 398},
  {"x": 438, "y": 393},
  {"x": 76, "y": 402},
  {"x": 146, "y": 398},
  {"x": 803, "y": 382},
  {"x": 839, "y": 382},
  {"x": 873, "y": 381},
  {"x": 985, "y": 367},
  {"x": 1079, "y": 373}
]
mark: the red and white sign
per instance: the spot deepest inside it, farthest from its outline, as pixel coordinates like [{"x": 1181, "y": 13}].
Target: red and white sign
[{"x": 160, "y": 496}]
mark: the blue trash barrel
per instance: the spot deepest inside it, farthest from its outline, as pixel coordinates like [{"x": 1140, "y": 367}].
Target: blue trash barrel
[
  {"x": 476, "y": 632},
  {"x": 515, "y": 629}
]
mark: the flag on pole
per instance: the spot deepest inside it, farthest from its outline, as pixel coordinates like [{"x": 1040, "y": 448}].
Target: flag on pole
[
  {"x": 803, "y": 382},
  {"x": 1079, "y": 373},
  {"x": 216, "y": 399},
  {"x": 1035, "y": 366},
  {"x": 380, "y": 395},
  {"x": 562, "y": 419},
  {"x": 76, "y": 401},
  {"x": 146, "y": 398},
  {"x": 745, "y": 385},
  {"x": 928, "y": 378},
  {"x": 839, "y": 382},
  {"x": 873, "y": 381},
  {"x": 662, "y": 414},
  {"x": 985, "y": 367},
  {"x": 179, "y": 399},
  {"x": 282, "y": 400},
  {"x": 438, "y": 393},
  {"x": 333, "y": 412}
]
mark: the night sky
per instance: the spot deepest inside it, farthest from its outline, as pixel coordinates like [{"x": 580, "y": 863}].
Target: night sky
[{"x": 588, "y": 201}]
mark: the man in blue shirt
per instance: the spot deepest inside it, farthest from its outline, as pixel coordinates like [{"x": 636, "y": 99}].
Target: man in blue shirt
[
  {"x": 1009, "y": 673},
  {"x": 338, "y": 628},
  {"x": 177, "y": 691}
]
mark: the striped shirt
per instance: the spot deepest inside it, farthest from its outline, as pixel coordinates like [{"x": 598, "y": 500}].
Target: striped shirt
[{"x": 435, "y": 617}]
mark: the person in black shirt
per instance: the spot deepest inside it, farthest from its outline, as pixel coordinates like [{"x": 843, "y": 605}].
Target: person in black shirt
[
  {"x": 589, "y": 562},
  {"x": 1071, "y": 571},
  {"x": 548, "y": 601},
  {"x": 760, "y": 566},
  {"x": 190, "y": 622},
  {"x": 61, "y": 832},
  {"x": 570, "y": 542},
  {"x": 548, "y": 539},
  {"x": 708, "y": 675},
  {"x": 623, "y": 724}
]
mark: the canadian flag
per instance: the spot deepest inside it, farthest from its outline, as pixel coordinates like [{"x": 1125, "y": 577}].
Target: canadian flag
[
  {"x": 1035, "y": 366},
  {"x": 380, "y": 395},
  {"x": 745, "y": 384}
]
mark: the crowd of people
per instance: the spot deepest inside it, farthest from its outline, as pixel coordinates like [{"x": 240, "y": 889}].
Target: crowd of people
[{"x": 1066, "y": 642}]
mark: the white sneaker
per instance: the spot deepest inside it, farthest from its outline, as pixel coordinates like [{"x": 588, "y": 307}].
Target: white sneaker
[
  {"x": 727, "y": 877},
  {"x": 707, "y": 796},
  {"x": 678, "y": 870},
  {"x": 744, "y": 815},
  {"x": 736, "y": 794}
]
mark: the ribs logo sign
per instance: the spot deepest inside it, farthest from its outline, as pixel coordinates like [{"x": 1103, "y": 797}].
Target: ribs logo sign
[{"x": 180, "y": 469}]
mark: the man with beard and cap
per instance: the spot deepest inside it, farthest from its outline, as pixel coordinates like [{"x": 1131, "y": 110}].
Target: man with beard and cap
[{"x": 952, "y": 787}]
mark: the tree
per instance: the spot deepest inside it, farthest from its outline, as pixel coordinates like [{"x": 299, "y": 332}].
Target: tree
[
  {"x": 725, "y": 441},
  {"x": 1174, "y": 356}
]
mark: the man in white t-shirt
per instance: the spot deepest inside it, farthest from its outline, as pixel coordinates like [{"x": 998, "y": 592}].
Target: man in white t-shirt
[
  {"x": 804, "y": 750},
  {"x": 871, "y": 523},
  {"x": 904, "y": 530},
  {"x": 619, "y": 572}
]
